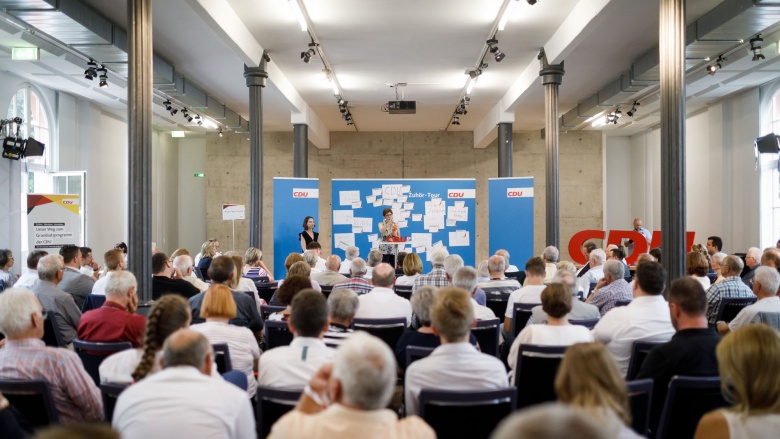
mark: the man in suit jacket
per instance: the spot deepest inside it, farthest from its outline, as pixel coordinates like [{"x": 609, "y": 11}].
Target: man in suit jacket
[
  {"x": 73, "y": 281},
  {"x": 753, "y": 261},
  {"x": 331, "y": 274},
  {"x": 53, "y": 299}
]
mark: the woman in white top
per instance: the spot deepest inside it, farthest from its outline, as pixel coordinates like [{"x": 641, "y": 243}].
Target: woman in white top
[
  {"x": 697, "y": 267},
  {"x": 589, "y": 379},
  {"x": 218, "y": 308},
  {"x": 412, "y": 268},
  {"x": 748, "y": 361},
  {"x": 717, "y": 262},
  {"x": 556, "y": 302}
]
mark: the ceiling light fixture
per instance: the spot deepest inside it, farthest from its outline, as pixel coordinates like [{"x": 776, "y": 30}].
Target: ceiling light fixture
[
  {"x": 309, "y": 54},
  {"x": 470, "y": 86},
  {"x": 632, "y": 111},
  {"x": 510, "y": 9},
  {"x": 91, "y": 72},
  {"x": 713, "y": 68},
  {"x": 755, "y": 47},
  {"x": 498, "y": 55},
  {"x": 531, "y": 2},
  {"x": 220, "y": 132},
  {"x": 169, "y": 107},
  {"x": 103, "y": 76},
  {"x": 613, "y": 117},
  {"x": 298, "y": 12},
  {"x": 455, "y": 120}
]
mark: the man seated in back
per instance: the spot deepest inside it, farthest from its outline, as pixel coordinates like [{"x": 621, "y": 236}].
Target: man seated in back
[
  {"x": 465, "y": 278},
  {"x": 29, "y": 278},
  {"x": 373, "y": 259},
  {"x": 115, "y": 262},
  {"x": 596, "y": 261},
  {"x": 342, "y": 307},
  {"x": 291, "y": 367},
  {"x": 579, "y": 310},
  {"x": 551, "y": 256},
  {"x": 116, "y": 320},
  {"x": 54, "y": 300},
  {"x": 610, "y": 288},
  {"x": 351, "y": 253},
  {"x": 765, "y": 285},
  {"x": 88, "y": 265},
  {"x": 183, "y": 400},
  {"x": 382, "y": 302},
  {"x": 316, "y": 247},
  {"x": 453, "y": 263},
  {"x": 25, "y": 357},
  {"x": 185, "y": 266},
  {"x": 331, "y": 274},
  {"x": 509, "y": 267},
  {"x": 73, "y": 282},
  {"x": 166, "y": 280},
  {"x": 535, "y": 272},
  {"x": 498, "y": 283},
  {"x": 437, "y": 277},
  {"x": 456, "y": 364},
  {"x": 356, "y": 283},
  {"x": 730, "y": 287}
]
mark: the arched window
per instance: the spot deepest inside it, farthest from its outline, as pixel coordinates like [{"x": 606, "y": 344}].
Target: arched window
[
  {"x": 27, "y": 104},
  {"x": 770, "y": 176}
]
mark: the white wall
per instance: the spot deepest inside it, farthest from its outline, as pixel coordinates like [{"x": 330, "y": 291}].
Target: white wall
[
  {"x": 619, "y": 182},
  {"x": 192, "y": 194},
  {"x": 165, "y": 191}
]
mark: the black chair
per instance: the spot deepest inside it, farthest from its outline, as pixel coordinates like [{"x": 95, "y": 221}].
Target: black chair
[
  {"x": 389, "y": 330},
  {"x": 222, "y": 357},
  {"x": 93, "y": 301},
  {"x": 414, "y": 353},
  {"x": 326, "y": 290},
  {"x": 251, "y": 295},
  {"x": 622, "y": 303},
  {"x": 535, "y": 373},
  {"x": 487, "y": 335},
  {"x": 713, "y": 277},
  {"x": 452, "y": 414},
  {"x": 93, "y": 353},
  {"x": 592, "y": 287},
  {"x": 518, "y": 275},
  {"x": 639, "y": 351},
  {"x": 640, "y": 398},
  {"x": 266, "y": 290},
  {"x": 51, "y": 332},
  {"x": 497, "y": 302},
  {"x": 590, "y": 324},
  {"x": 271, "y": 405},
  {"x": 276, "y": 334},
  {"x": 258, "y": 279},
  {"x": 731, "y": 306},
  {"x": 32, "y": 398},
  {"x": 688, "y": 399},
  {"x": 110, "y": 392},
  {"x": 267, "y": 310},
  {"x": 520, "y": 315},
  {"x": 2, "y": 286},
  {"x": 404, "y": 291}
]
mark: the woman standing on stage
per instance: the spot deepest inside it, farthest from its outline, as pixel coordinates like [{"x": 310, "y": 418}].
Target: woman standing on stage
[
  {"x": 308, "y": 235},
  {"x": 388, "y": 228}
]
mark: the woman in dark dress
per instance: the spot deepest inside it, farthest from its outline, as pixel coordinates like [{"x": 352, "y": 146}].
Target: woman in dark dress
[{"x": 308, "y": 235}]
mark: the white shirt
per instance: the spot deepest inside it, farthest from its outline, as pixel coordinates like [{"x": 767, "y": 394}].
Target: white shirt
[
  {"x": 453, "y": 366},
  {"x": 27, "y": 280},
  {"x": 383, "y": 303},
  {"x": 592, "y": 276},
  {"x": 482, "y": 312},
  {"x": 511, "y": 269},
  {"x": 547, "y": 335},
  {"x": 199, "y": 284},
  {"x": 549, "y": 271},
  {"x": 407, "y": 280},
  {"x": 241, "y": 344},
  {"x": 119, "y": 367},
  {"x": 751, "y": 427},
  {"x": 320, "y": 265},
  {"x": 182, "y": 402},
  {"x": 346, "y": 264},
  {"x": 704, "y": 281},
  {"x": 291, "y": 367},
  {"x": 746, "y": 315},
  {"x": 527, "y": 294},
  {"x": 100, "y": 285},
  {"x": 646, "y": 318},
  {"x": 87, "y": 270}
]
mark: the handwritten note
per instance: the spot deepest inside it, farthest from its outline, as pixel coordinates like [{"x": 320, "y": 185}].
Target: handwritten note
[
  {"x": 346, "y": 198},
  {"x": 459, "y": 238},
  {"x": 342, "y": 217},
  {"x": 370, "y": 199},
  {"x": 458, "y": 213},
  {"x": 357, "y": 204},
  {"x": 365, "y": 224},
  {"x": 344, "y": 238},
  {"x": 417, "y": 217}
]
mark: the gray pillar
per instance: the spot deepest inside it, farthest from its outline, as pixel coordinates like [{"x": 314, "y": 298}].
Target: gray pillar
[
  {"x": 255, "y": 80},
  {"x": 300, "y": 150},
  {"x": 672, "y": 54},
  {"x": 504, "y": 149},
  {"x": 552, "y": 76},
  {"x": 139, "y": 142}
]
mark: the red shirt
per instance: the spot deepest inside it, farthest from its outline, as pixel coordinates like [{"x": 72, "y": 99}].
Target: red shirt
[{"x": 112, "y": 323}]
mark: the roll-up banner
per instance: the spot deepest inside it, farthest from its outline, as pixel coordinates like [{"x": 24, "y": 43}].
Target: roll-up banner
[
  {"x": 511, "y": 217},
  {"x": 53, "y": 221},
  {"x": 294, "y": 200}
]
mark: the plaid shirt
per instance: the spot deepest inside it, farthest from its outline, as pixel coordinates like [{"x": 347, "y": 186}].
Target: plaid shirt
[
  {"x": 436, "y": 278},
  {"x": 730, "y": 287},
  {"x": 75, "y": 394},
  {"x": 605, "y": 298},
  {"x": 356, "y": 284}
]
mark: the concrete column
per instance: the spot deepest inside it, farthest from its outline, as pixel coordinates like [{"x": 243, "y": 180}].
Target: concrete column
[
  {"x": 552, "y": 76},
  {"x": 300, "y": 150},
  {"x": 504, "y": 149},
  {"x": 139, "y": 127},
  {"x": 672, "y": 55},
  {"x": 255, "y": 81}
]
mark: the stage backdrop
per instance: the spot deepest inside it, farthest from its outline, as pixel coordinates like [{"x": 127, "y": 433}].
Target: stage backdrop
[
  {"x": 511, "y": 213},
  {"x": 294, "y": 200},
  {"x": 431, "y": 213}
]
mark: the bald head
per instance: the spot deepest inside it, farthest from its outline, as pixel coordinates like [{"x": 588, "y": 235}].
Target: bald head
[
  {"x": 186, "y": 347},
  {"x": 496, "y": 266},
  {"x": 734, "y": 265},
  {"x": 383, "y": 275},
  {"x": 333, "y": 263}
]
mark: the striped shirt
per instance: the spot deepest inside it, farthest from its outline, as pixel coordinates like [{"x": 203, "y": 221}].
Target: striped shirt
[
  {"x": 336, "y": 335},
  {"x": 730, "y": 287},
  {"x": 241, "y": 343},
  {"x": 75, "y": 394},
  {"x": 356, "y": 284}
]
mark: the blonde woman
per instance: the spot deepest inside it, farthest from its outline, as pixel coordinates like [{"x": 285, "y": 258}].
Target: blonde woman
[
  {"x": 207, "y": 253},
  {"x": 412, "y": 268},
  {"x": 254, "y": 266}
]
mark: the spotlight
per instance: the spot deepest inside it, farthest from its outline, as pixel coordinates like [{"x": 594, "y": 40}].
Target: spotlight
[
  {"x": 755, "y": 47},
  {"x": 103, "y": 76},
  {"x": 531, "y": 2},
  {"x": 220, "y": 132},
  {"x": 632, "y": 111},
  {"x": 174, "y": 111},
  {"x": 91, "y": 72},
  {"x": 713, "y": 68},
  {"x": 455, "y": 120},
  {"x": 184, "y": 112},
  {"x": 474, "y": 73},
  {"x": 169, "y": 107},
  {"x": 613, "y": 117},
  {"x": 307, "y": 55},
  {"x": 498, "y": 55},
  {"x": 200, "y": 121}
]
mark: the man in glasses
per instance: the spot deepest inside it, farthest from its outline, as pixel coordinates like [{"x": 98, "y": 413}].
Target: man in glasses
[{"x": 753, "y": 261}]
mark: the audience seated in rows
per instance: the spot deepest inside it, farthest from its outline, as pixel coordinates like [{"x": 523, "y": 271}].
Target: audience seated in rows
[
  {"x": 579, "y": 310},
  {"x": 301, "y": 268},
  {"x": 697, "y": 266},
  {"x": 116, "y": 321},
  {"x": 350, "y": 253},
  {"x": 316, "y": 247},
  {"x": 452, "y": 264},
  {"x": 766, "y": 283},
  {"x": 421, "y": 302},
  {"x": 241, "y": 283},
  {"x": 29, "y": 278},
  {"x": 509, "y": 268},
  {"x": 753, "y": 261},
  {"x": 437, "y": 277},
  {"x": 254, "y": 266},
  {"x": 166, "y": 280},
  {"x": 311, "y": 258},
  {"x": 182, "y": 400},
  {"x": 382, "y": 302},
  {"x": 330, "y": 276},
  {"x": 730, "y": 287},
  {"x": 54, "y": 300},
  {"x": 586, "y": 249},
  {"x": 717, "y": 263},
  {"x": 115, "y": 263},
  {"x": 596, "y": 261},
  {"x": 73, "y": 281},
  {"x": 208, "y": 251},
  {"x": 531, "y": 292},
  {"x": 412, "y": 268},
  {"x": 185, "y": 266},
  {"x": 611, "y": 288},
  {"x": 342, "y": 307},
  {"x": 373, "y": 259},
  {"x": 286, "y": 293},
  {"x": 356, "y": 282},
  {"x": 88, "y": 265},
  {"x": 465, "y": 278},
  {"x": 399, "y": 263},
  {"x": 551, "y": 257}
]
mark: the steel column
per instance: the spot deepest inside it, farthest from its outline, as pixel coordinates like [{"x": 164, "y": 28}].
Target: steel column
[
  {"x": 255, "y": 81},
  {"x": 504, "y": 149},
  {"x": 300, "y": 150},
  {"x": 552, "y": 76}
]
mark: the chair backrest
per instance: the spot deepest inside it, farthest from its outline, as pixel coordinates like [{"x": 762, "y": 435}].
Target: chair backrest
[
  {"x": 639, "y": 351},
  {"x": 389, "y": 330},
  {"x": 222, "y": 357},
  {"x": 237, "y": 378},
  {"x": 266, "y": 290},
  {"x": 32, "y": 398},
  {"x": 535, "y": 373},
  {"x": 487, "y": 335},
  {"x": 414, "y": 353},
  {"x": 267, "y": 310},
  {"x": 93, "y": 353},
  {"x": 768, "y": 318},
  {"x": 622, "y": 302},
  {"x": 257, "y": 279},
  {"x": 93, "y": 301},
  {"x": 713, "y": 277},
  {"x": 404, "y": 291},
  {"x": 520, "y": 316},
  {"x": 453, "y": 414},
  {"x": 688, "y": 399},
  {"x": 731, "y": 306},
  {"x": 640, "y": 397},
  {"x": 276, "y": 334},
  {"x": 518, "y": 275},
  {"x": 326, "y": 290},
  {"x": 110, "y": 392},
  {"x": 592, "y": 287},
  {"x": 51, "y": 332},
  {"x": 590, "y": 324},
  {"x": 271, "y": 405},
  {"x": 197, "y": 272}
]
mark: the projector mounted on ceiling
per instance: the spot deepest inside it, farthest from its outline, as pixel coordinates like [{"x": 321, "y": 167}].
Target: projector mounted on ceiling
[{"x": 402, "y": 107}]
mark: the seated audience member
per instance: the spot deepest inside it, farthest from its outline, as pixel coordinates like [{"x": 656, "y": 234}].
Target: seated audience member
[
  {"x": 586, "y": 249},
  {"x": 566, "y": 265},
  {"x": 531, "y": 292},
  {"x": 594, "y": 273},
  {"x": 465, "y": 278},
  {"x": 218, "y": 308},
  {"x": 241, "y": 283},
  {"x": 254, "y": 266},
  {"x": 348, "y": 398},
  {"x": 717, "y": 263},
  {"x": 351, "y": 253},
  {"x": 551, "y": 421},
  {"x": 437, "y": 277},
  {"x": 182, "y": 400},
  {"x": 690, "y": 352},
  {"x": 374, "y": 258},
  {"x": 6, "y": 262},
  {"x": 451, "y": 265},
  {"x": 588, "y": 379},
  {"x": 291, "y": 367},
  {"x": 88, "y": 265},
  {"x": 115, "y": 263},
  {"x": 291, "y": 259},
  {"x": 178, "y": 252},
  {"x": 730, "y": 287},
  {"x": 550, "y": 256},
  {"x": 311, "y": 258},
  {"x": 509, "y": 267},
  {"x": 482, "y": 272},
  {"x": 342, "y": 307},
  {"x": 316, "y": 247},
  {"x": 765, "y": 285},
  {"x": 73, "y": 282},
  {"x": 184, "y": 264},
  {"x": 116, "y": 320},
  {"x": 29, "y": 278},
  {"x": 456, "y": 364},
  {"x": 556, "y": 302},
  {"x": 748, "y": 361},
  {"x": 13, "y": 424},
  {"x": 498, "y": 283},
  {"x": 208, "y": 251},
  {"x": 331, "y": 274},
  {"x": 412, "y": 268},
  {"x": 619, "y": 255},
  {"x": 399, "y": 263},
  {"x": 421, "y": 303},
  {"x": 697, "y": 267},
  {"x": 382, "y": 302},
  {"x": 356, "y": 282},
  {"x": 646, "y": 318},
  {"x": 610, "y": 288},
  {"x": 656, "y": 253},
  {"x": 301, "y": 268},
  {"x": 166, "y": 280},
  {"x": 54, "y": 300},
  {"x": 285, "y": 294},
  {"x": 579, "y": 310},
  {"x": 753, "y": 261},
  {"x": 25, "y": 357}
]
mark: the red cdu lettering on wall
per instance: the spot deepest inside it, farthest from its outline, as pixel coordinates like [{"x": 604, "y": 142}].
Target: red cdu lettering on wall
[
  {"x": 300, "y": 194},
  {"x": 455, "y": 195},
  {"x": 616, "y": 237}
]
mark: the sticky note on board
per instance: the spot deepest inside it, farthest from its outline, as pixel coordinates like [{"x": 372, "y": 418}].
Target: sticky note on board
[
  {"x": 417, "y": 217},
  {"x": 342, "y": 217}
]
